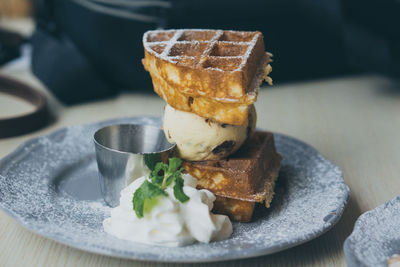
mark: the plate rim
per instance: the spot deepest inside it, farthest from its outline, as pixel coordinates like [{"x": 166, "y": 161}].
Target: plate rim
[
  {"x": 105, "y": 252},
  {"x": 351, "y": 259}
]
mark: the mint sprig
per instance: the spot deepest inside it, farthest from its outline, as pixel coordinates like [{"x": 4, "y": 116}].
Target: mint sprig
[
  {"x": 178, "y": 190},
  {"x": 147, "y": 191},
  {"x": 161, "y": 176}
]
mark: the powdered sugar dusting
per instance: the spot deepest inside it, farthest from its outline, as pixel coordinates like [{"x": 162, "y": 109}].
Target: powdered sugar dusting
[
  {"x": 376, "y": 236},
  {"x": 248, "y": 51},
  {"x": 310, "y": 198},
  {"x": 169, "y": 39},
  {"x": 170, "y": 43}
]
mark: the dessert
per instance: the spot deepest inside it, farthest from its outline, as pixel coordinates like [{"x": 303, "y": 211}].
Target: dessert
[
  {"x": 210, "y": 81},
  {"x": 240, "y": 181},
  {"x": 212, "y": 73},
  {"x": 200, "y": 138},
  {"x": 170, "y": 222}
]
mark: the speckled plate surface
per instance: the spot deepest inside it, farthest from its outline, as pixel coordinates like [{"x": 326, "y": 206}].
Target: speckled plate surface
[
  {"x": 49, "y": 185},
  {"x": 376, "y": 236}
]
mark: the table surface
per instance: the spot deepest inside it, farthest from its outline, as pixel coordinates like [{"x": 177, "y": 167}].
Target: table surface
[{"x": 354, "y": 121}]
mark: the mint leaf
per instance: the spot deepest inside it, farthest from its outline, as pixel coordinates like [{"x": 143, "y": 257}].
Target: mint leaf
[
  {"x": 150, "y": 203},
  {"x": 151, "y": 160},
  {"x": 178, "y": 190},
  {"x": 174, "y": 164},
  {"x": 161, "y": 176},
  {"x": 172, "y": 171},
  {"x": 170, "y": 178},
  {"x": 147, "y": 191},
  {"x": 155, "y": 176}
]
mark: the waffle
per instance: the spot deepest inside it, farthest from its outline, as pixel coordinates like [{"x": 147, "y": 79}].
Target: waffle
[
  {"x": 248, "y": 176},
  {"x": 236, "y": 210},
  {"x": 207, "y": 72}
]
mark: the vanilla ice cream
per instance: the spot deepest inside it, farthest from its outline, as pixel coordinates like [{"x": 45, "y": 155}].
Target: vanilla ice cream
[{"x": 198, "y": 138}]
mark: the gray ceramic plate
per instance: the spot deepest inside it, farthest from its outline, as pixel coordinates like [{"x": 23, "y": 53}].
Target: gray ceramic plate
[
  {"x": 49, "y": 185},
  {"x": 376, "y": 236}
]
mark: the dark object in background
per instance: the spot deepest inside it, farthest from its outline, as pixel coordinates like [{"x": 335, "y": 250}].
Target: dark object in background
[
  {"x": 85, "y": 49},
  {"x": 25, "y": 123},
  {"x": 10, "y": 43},
  {"x": 305, "y": 36},
  {"x": 372, "y": 35},
  {"x": 66, "y": 71}
]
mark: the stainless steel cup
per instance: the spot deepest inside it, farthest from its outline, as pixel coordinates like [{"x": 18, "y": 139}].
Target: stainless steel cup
[{"x": 124, "y": 153}]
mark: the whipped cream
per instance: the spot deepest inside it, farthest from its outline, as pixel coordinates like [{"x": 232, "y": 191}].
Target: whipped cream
[{"x": 170, "y": 222}]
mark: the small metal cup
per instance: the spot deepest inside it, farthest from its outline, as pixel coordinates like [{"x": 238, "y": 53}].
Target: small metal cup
[{"x": 123, "y": 153}]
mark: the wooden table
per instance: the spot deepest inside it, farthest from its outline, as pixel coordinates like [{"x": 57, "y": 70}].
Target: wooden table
[{"x": 353, "y": 121}]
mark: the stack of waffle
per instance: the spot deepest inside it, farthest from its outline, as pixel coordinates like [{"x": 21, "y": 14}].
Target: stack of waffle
[{"x": 210, "y": 80}]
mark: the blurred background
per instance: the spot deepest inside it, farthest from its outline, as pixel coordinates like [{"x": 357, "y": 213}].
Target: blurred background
[{"x": 88, "y": 49}]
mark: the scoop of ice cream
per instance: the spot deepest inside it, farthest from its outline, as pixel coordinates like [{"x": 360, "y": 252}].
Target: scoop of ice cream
[{"x": 198, "y": 138}]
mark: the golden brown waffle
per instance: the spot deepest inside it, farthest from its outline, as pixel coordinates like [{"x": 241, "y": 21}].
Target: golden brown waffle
[
  {"x": 236, "y": 210},
  {"x": 212, "y": 73},
  {"x": 246, "y": 177}
]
